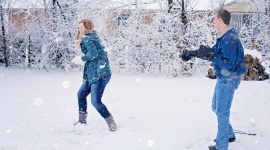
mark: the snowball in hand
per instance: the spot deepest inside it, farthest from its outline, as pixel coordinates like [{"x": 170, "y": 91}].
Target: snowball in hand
[{"x": 78, "y": 60}]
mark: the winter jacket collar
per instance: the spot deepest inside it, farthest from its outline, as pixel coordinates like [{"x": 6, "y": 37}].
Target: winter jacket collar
[{"x": 220, "y": 34}]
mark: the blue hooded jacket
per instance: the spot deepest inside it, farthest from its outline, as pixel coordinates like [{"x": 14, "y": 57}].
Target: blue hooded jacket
[
  {"x": 97, "y": 63},
  {"x": 229, "y": 55}
]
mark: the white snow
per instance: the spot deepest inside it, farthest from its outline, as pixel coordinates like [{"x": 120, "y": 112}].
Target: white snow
[
  {"x": 266, "y": 64},
  {"x": 37, "y": 112}
]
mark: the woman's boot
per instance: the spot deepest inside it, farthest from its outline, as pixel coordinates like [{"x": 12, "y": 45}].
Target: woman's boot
[
  {"x": 82, "y": 118},
  {"x": 111, "y": 123}
]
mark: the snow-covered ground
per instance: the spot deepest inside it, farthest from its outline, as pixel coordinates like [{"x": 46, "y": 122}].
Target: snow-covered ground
[{"x": 38, "y": 109}]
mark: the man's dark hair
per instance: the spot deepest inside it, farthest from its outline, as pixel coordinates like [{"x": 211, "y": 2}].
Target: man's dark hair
[{"x": 225, "y": 15}]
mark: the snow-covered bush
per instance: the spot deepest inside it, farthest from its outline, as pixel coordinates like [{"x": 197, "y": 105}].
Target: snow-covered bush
[{"x": 138, "y": 40}]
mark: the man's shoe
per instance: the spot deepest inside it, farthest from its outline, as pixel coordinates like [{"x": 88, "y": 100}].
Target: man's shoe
[
  {"x": 231, "y": 139},
  {"x": 212, "y": 147}
]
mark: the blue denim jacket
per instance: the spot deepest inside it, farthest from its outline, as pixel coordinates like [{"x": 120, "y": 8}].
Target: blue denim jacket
[
  {"x": 97, "y": 64},
  {"x": 229, "y": 57}
]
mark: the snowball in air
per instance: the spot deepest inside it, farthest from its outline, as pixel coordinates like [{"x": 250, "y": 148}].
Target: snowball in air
[
  {"x": 66, "y": 84},
  {"x": 150, "y": 143},
  {"x": 38, "y": 102},
  {"x": 138, "y": 79},
  {"x": 8, "y": 130},
  {"x": 59, "y": 39}
]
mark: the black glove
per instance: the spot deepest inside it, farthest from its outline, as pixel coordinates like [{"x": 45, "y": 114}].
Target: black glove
[
  {"x": 205, "y": 52},
  {"x": 187, "y": 55}
]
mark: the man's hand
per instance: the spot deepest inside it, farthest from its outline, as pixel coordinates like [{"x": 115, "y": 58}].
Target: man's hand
[
  {"x": 205, "y": 52},
  {"x": 187, "y": 55}
]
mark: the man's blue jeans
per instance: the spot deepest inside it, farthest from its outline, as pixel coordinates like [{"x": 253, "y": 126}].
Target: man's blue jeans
[
  {"x": 96, "y": 89},
  {"x": 221, "y": 104}
]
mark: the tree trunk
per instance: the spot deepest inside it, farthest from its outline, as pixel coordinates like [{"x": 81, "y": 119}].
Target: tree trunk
[
  {"x": 29, "y": 50},
  {"x": 54, "y": 14},
  {"x": 4, "y": 46},
  {"x": 183, "y": 14},
  {"x": 56, "y": 2},
  {"x": 170, "y": 4},
  {"x": 221, "y": 6}
]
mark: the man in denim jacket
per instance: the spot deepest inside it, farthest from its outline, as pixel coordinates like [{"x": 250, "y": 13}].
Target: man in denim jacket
[{"x": 228, "y": 58}]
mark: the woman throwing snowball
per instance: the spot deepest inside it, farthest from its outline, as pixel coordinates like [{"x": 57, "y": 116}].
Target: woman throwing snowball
[{"x": 96, "y": 73}]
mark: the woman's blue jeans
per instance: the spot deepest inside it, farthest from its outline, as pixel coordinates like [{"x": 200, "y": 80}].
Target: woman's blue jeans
[
  {"x": 96, "y": 89},
  {"x": 221, "y": 104}
]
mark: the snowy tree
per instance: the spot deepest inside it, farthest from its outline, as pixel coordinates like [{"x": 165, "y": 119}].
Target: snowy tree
[
  {"x": 191, "y": 30},
  {"x": 256, "y": 26},
  {"x": 139, "y": 40},
  {"x": 44, "y": 36},
  {"x": 263, "y": 37},
  {"x": 59, "y": 38}
]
